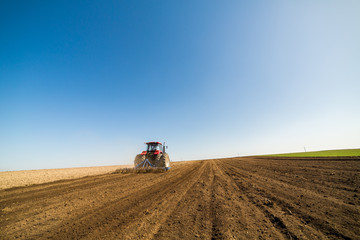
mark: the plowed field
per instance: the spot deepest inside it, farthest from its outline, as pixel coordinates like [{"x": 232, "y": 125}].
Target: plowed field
[{"x": 238, "y": 198}]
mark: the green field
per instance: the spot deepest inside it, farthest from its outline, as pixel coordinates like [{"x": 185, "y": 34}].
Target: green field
[{"x": 327, "y": 153}]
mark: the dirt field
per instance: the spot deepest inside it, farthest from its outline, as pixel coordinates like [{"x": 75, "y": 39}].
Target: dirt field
[
  {"x": 239, "y": 198},
  {"x": 28, "y": 177}
]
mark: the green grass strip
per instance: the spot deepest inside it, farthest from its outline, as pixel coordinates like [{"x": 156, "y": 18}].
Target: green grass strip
[{"x": 327, "y": 153}]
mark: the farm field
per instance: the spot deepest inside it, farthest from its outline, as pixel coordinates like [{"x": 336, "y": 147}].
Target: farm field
[
  {"x": 232, "y": 198},
  {"x": 326, "y": 153},
  {"x": 11, "y": 179}
]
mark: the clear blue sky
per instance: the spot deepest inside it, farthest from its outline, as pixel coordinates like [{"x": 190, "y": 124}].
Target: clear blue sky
[{"x": 85, "y": 83}]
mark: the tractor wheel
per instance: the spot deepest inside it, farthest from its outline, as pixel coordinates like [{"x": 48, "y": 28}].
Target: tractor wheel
[
  {"x": 164, "y": 160},
  {"x": 138, "y": 159}
]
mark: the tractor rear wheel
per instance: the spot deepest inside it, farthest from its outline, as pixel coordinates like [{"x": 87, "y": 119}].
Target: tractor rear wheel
[
  {"x": 138, "y": 159},
  {"x": 164, "y": 160}
]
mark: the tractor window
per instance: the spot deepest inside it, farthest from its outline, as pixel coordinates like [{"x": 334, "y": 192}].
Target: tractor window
[{"x": 154, "y": 147}]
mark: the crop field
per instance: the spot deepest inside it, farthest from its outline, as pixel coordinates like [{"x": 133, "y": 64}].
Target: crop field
[
  {"x": 11, "y": 179},
  {"x": 327, "y": 153},
  {"x": 232, "y": 198}
]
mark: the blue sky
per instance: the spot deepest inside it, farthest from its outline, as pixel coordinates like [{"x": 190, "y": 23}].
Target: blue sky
[{"x": 85, "y": 83}]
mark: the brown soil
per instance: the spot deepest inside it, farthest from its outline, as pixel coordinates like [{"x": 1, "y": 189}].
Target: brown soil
[{"x": 235, "y": 198}]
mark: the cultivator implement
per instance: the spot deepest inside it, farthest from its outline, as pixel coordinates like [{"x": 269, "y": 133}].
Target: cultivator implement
[
  {"x": 145, "y": 164},
  {"x": 144, "y": 167}
]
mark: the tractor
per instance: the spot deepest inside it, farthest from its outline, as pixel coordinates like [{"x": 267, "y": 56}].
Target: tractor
[
  {"x": 153, "y": 159},
  {"x": 155, "y": 156}
]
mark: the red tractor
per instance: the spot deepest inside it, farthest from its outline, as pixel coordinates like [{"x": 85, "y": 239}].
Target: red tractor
[{"x": 154, "y": 157}]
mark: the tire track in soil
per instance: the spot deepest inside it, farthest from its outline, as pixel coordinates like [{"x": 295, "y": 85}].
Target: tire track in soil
[
  {"x": 193, "y": 216},
  {"x": 253, "y": 219},
  {"x": 327, "y": 227},
  {"x": 68, "y": 192},
  {"x": 176, "y": 203},
  {"x": 264, "y": 187},
  {"x": 261, "y": 205},
  {"x": 215, "y": 231},
  {"x": 214, "y": 208},
  {"x": 313, "y": 177},
  {"x": 173, "y": 195},
  {"x": 14, "y": 224},
  {"x": 263, "y": 199},
  {"x": 120, "y": 219},
  {"x": 32, "y": 210},
  {"x": 50, "y": 195}
]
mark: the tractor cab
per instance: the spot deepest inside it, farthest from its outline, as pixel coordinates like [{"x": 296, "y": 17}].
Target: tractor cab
[{"x": 154, "y": 148}]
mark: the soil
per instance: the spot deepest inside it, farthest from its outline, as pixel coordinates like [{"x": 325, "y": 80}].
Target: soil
[
  {"x": 11, "y": 179},
  {"x": 233, "y": 198}
]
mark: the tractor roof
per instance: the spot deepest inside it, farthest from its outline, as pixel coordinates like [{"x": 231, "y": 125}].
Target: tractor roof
[{"x": 154, "y": 143}]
